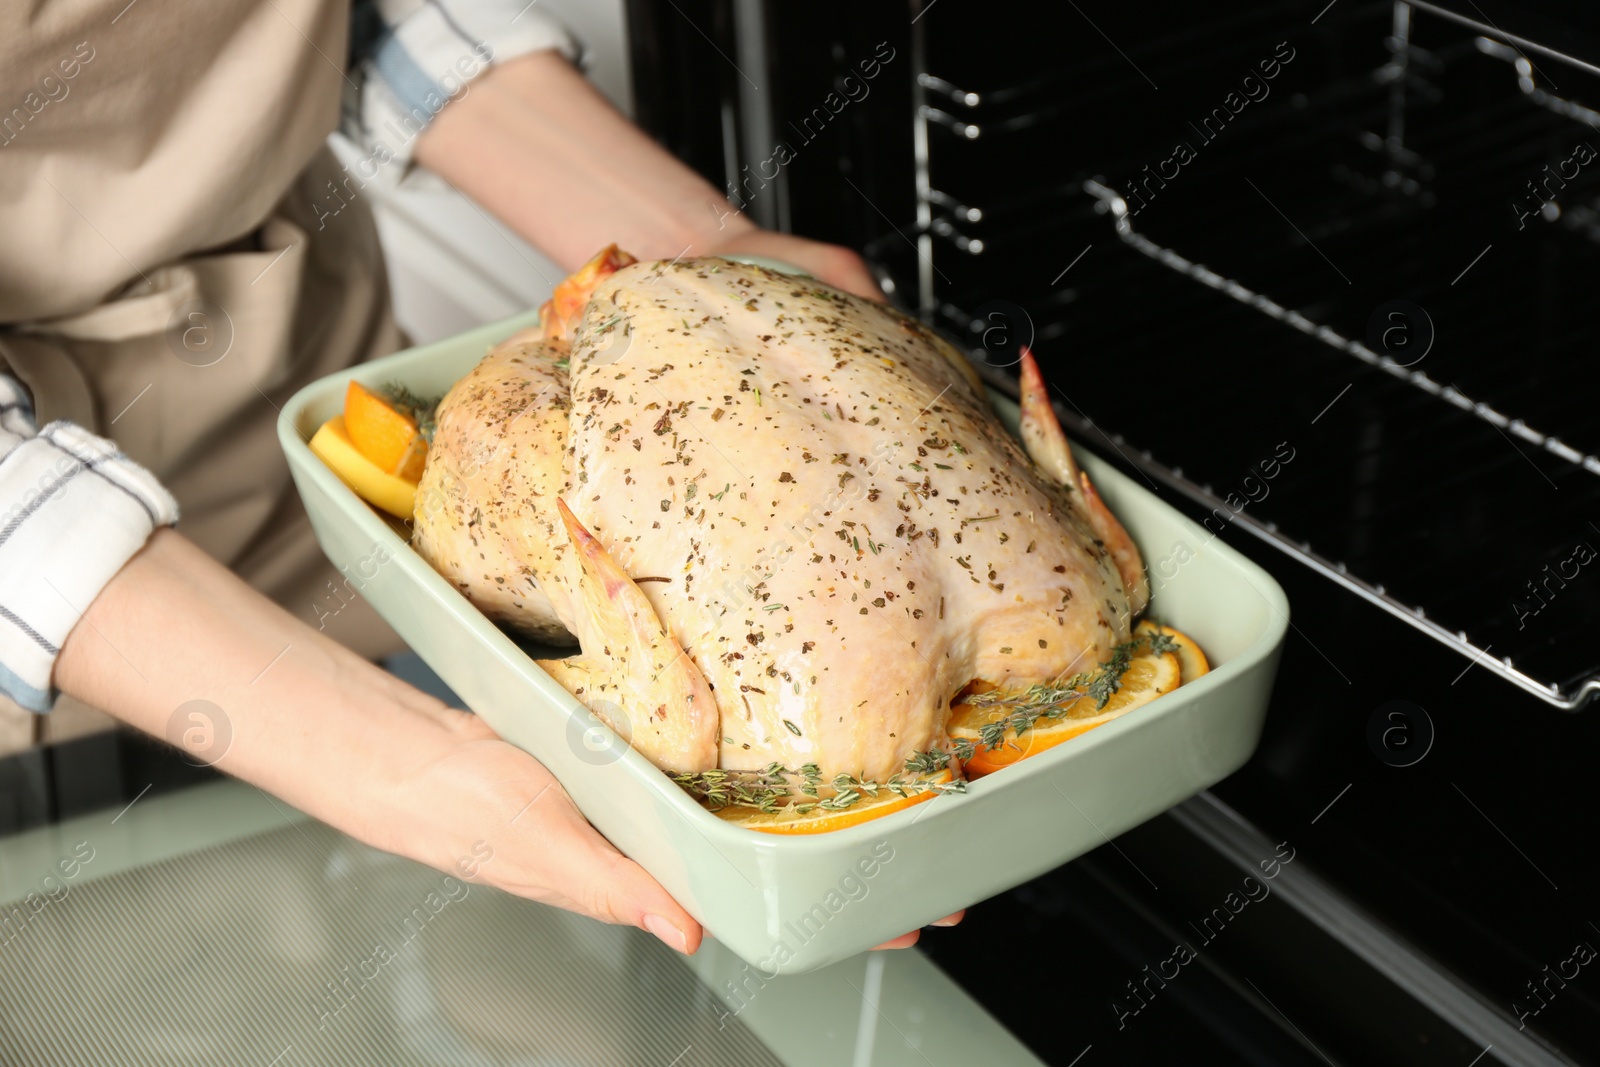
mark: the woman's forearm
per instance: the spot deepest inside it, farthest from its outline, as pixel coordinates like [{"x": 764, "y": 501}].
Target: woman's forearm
[
  {"x": 299, "y": 712},
  {"x": 341, "y": 739},
  {"x": 536, "y": 144}
]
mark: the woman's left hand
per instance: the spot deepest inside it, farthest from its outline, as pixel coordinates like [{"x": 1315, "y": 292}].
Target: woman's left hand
[
  {"x": 907, "y": 940},
  {"x": 834, "y": 264}
]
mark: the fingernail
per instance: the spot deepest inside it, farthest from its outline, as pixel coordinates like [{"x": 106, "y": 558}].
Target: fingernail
[
  {"x": 668, "y": 934},
  {"x": 945, "y": 922}
]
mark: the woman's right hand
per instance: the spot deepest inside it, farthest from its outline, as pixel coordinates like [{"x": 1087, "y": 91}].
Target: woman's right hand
[
  {"x": 343, "y": 740},
  {"x": 484, "y": 810}
]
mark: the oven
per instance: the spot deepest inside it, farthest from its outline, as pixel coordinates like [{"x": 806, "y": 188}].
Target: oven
[{"x": 1323, "y": 275}]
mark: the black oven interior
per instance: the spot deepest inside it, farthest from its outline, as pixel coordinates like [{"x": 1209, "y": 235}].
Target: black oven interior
[{"x": 1324, "y": 277}]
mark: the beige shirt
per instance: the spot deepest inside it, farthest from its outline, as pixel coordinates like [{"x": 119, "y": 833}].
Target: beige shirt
[{"x": 164, "y": 278}]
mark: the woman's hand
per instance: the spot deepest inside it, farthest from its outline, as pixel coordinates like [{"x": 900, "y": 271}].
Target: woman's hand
[
  {"x": 907, "y": 940},
  {"x": 834, "y": 264},
  {"x": 477, "y": 796},
  {"x": 482, "y": 796}
]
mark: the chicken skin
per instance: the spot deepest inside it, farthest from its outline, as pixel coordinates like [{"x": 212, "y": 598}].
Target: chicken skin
[{"x": 782, "y": 521}]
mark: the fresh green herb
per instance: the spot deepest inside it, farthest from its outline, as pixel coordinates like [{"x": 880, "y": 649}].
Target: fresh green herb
[
  {"x": 420, "y": 410},
  {"x": 770, "y": 786},
  {"x": 1051, "y": 700},
  {"x": 1160, "y": 642},
  {"x": 928, "y": 762},
  {"x": 764, "y": 789},
  {"x": 720, "y": 789},
  {"x": 992, "y": 734},
  {"x": 1108, "y": 680}
]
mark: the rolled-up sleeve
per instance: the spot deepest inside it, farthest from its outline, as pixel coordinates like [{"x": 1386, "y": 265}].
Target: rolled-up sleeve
[
  {"x": 73, "y": 510},
  {"x": 408, "y": 58}
]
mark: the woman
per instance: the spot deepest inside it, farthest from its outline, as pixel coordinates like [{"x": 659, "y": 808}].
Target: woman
[{"x": 170, "y": 270}]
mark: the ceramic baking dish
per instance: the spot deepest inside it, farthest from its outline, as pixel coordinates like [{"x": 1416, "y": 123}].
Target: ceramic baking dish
[{"x": 792, "y": 904}]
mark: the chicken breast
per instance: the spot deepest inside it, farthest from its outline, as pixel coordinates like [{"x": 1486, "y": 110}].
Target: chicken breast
[{"x": 809, "y": 531}]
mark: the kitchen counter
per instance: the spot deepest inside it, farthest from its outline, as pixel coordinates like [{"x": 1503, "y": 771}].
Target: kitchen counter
[{"x": 215, "y": 925}]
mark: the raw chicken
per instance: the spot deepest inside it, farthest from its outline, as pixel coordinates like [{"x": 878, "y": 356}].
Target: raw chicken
[{"x": 796, "y": 529}]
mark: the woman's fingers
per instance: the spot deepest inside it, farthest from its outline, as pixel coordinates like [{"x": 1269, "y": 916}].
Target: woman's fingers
[
  {"x": 623, "y": 892},
  {"x": 542, "y": 847},
  {"x": 834, "y": 264},
  {"x": 903, "y": 941},
  {"x": 907, "y": 940},
  {"x": 566, "y": 862}
]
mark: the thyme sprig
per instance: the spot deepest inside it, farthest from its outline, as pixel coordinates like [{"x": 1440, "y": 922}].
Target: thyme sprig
[
  {"x": 775, "y": 786},
  {"x": 420, "y": 409},
  {"x": 1051, "y": 700}
]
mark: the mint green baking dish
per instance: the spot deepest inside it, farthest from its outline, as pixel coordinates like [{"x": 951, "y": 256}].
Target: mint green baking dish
[{"x": 790, "y": 905}]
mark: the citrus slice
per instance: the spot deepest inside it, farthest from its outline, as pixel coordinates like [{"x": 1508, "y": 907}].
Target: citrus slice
[
  {"x": 565, "y": 307},
  {"x": 333, "y": 446},
  {"x": 819, "y": 820},
  {"x": 1192, "y": 662},
  {"x": 385, "y": 434},
  {"x": 1148, "y": 676}
]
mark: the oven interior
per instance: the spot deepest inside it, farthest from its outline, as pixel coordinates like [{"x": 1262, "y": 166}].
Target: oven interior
[
  {"x": 1325, "y": 279},
  {"x": 1400, "y": 217}
]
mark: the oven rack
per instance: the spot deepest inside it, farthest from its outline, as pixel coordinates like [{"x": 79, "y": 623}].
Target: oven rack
[
  {"x": 943, "y": 109},
  {"x": 1111, "y": 202},
  {"x": 1559, "y": 105},
  {"x": 1375, "y": 593},
  {"x": 1568, "y": 699}
]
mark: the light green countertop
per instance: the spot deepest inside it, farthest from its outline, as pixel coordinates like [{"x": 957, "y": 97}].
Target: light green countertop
[{"x": 219, "y": 926}]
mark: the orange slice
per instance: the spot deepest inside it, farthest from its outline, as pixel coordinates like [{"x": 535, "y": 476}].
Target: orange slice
[
  {"x": 386, "y": 435},
  {"x": 332, "y": 444},
  {"x": 820, "y": 820},
  {"x": 561, "y": 312},
  {"x": 1149, "y": 675}
]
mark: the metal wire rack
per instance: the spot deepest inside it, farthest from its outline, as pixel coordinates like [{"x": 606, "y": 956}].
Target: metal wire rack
[{"x": 1410, "y": 508}]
